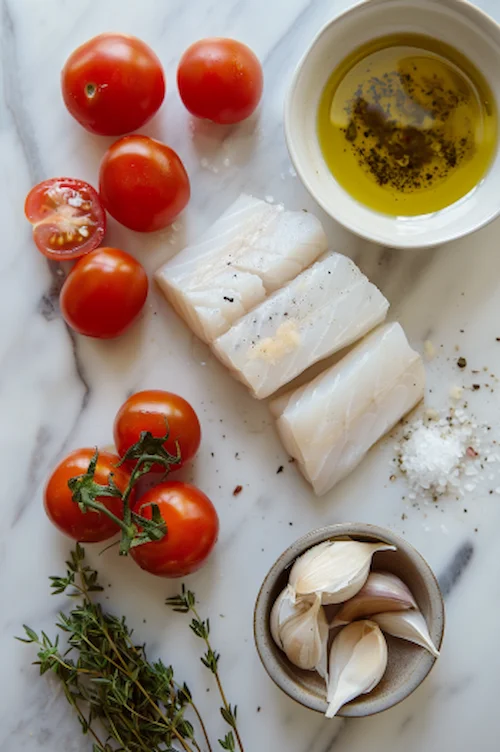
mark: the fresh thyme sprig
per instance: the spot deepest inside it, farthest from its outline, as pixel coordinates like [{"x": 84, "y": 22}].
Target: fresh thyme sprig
[
  {"x": 184, "y": 603},
  {"x": 123, "y": 701},
  {"x": 136, "y": 529}
]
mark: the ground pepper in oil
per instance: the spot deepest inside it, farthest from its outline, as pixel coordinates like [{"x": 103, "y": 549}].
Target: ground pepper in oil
[{"x": 407, "y": 125}]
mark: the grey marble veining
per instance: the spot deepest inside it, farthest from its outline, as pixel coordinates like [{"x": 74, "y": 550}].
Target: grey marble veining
[{"x": 59, "y": 391}]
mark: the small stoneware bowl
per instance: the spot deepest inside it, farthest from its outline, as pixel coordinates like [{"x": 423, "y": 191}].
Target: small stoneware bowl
[
  {"x": 408, "y": 664},
  {"x": 455, "y": 22}
]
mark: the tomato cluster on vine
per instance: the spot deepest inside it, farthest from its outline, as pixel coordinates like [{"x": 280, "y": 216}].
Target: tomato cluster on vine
[{"x": 92, "y": 495}]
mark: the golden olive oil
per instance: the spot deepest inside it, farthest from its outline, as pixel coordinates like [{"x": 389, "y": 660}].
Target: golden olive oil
[{"x": 407, "y": 125}]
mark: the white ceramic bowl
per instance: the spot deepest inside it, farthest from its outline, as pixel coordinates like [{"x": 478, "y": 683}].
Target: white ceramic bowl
[{"x": 455, "y": 22}]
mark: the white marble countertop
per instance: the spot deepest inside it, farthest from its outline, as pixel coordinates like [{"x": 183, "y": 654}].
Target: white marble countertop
[{"x": 59, "y": 392}]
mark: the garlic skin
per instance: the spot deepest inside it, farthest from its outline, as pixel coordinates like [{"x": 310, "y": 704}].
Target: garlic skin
[
  {"x": 382, "y": 592},
  {"x": 285, "y": 607},
  {"x": 335, "y": 570},
  {"x": 407, "y": 625},
  {"x": 305, "y": 639},
  {"x": 358, "y": 660}
]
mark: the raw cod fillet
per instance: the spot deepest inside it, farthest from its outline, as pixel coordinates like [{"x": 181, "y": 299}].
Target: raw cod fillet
[
  {"x": 329, "y": 424},
  {"x": 326, "y": 308},
  {"x": 252, "y": 249}
]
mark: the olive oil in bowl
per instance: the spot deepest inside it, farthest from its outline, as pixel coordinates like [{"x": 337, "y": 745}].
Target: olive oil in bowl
[{"x": 407, "y": 125}]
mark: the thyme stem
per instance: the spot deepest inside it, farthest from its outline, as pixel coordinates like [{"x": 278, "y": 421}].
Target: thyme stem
[
  {"x": 219, "y": 682},
  {"x": 80, "y": 714},
  {"x": 200, "y": 719},
  {"x": 185, "y": 603}
]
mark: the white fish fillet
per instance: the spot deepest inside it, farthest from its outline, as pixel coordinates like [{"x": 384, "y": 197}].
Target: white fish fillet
[
  {"x": 329, "y": 424},
  {"x": 252, "y": 250},
  {"x": 327, "y": 307}
]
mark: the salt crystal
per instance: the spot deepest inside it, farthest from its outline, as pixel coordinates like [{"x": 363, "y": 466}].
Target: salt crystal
[
  {"x": 469, "y": 487},
  {"x": 227, "y": 162},
  {"x": 432, "y": 414},
  {"x": 204, "y": 162},
  {"x": 456, "y": 392},
  {"x": 270, "y": 199},
  {"x": 292, "y": 172}
]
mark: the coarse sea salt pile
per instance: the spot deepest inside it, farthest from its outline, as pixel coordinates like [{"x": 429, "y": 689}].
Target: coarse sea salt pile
[{"x": 443, "y": 455}]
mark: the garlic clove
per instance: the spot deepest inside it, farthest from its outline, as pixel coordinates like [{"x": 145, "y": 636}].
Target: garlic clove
[
  {"x": 304, "y": 563},
  {"x": 407, "y": 625},
  {"x": 285, "y": 607},
  {"x": 336, "y": 570},
  {"x": 305, "y": 639},
  {"x": 358, "y": 660},
  {"x": 382, "y": 591}
]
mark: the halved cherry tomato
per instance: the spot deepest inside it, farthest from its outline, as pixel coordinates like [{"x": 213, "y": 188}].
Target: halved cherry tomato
[
  {"x": 104, "y": 293},
  {"x": 143, "y": 183},
  {"x": 67, "y": 216},
  {"x": 65, "y": 514},
  {"x": 157, "y": 411},
  {"x": 113, "y": 84},
  {"x": 220, "y": 80},
  {"x": 192, "y": 530}
]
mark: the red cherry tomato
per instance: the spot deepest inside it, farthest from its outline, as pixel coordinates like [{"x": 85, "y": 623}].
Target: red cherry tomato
[
  {"x": 90, "y": 526},
  {"x": 104, "y": 293},
  {"x": 143, "y": 183},
  {"x": 153, "y": 410},
  {"x": 220, "y": 80},
  {"x": 67, "y": 216},
  {"x": 192, "y": 530},
  {"x": 113, "y": 84}
]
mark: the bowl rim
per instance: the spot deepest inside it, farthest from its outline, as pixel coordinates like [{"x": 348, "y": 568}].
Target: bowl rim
[
  {"x": 262, "y": 633},
  {"x": 408, "y": 243}
]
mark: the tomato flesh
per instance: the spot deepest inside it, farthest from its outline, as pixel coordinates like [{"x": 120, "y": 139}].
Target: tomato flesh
[
  {"x": 220, "y": 80},
  {"x": 143, "y": 183},
  {"x": 104, "y": 293},
  {"x": 113, "y": 84},
  {"x": 157, "y": 411},
  {"x": 67, "y": 216},
  {"x": 192, "y": 530},
  {"x": 65, "y": 514}
]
